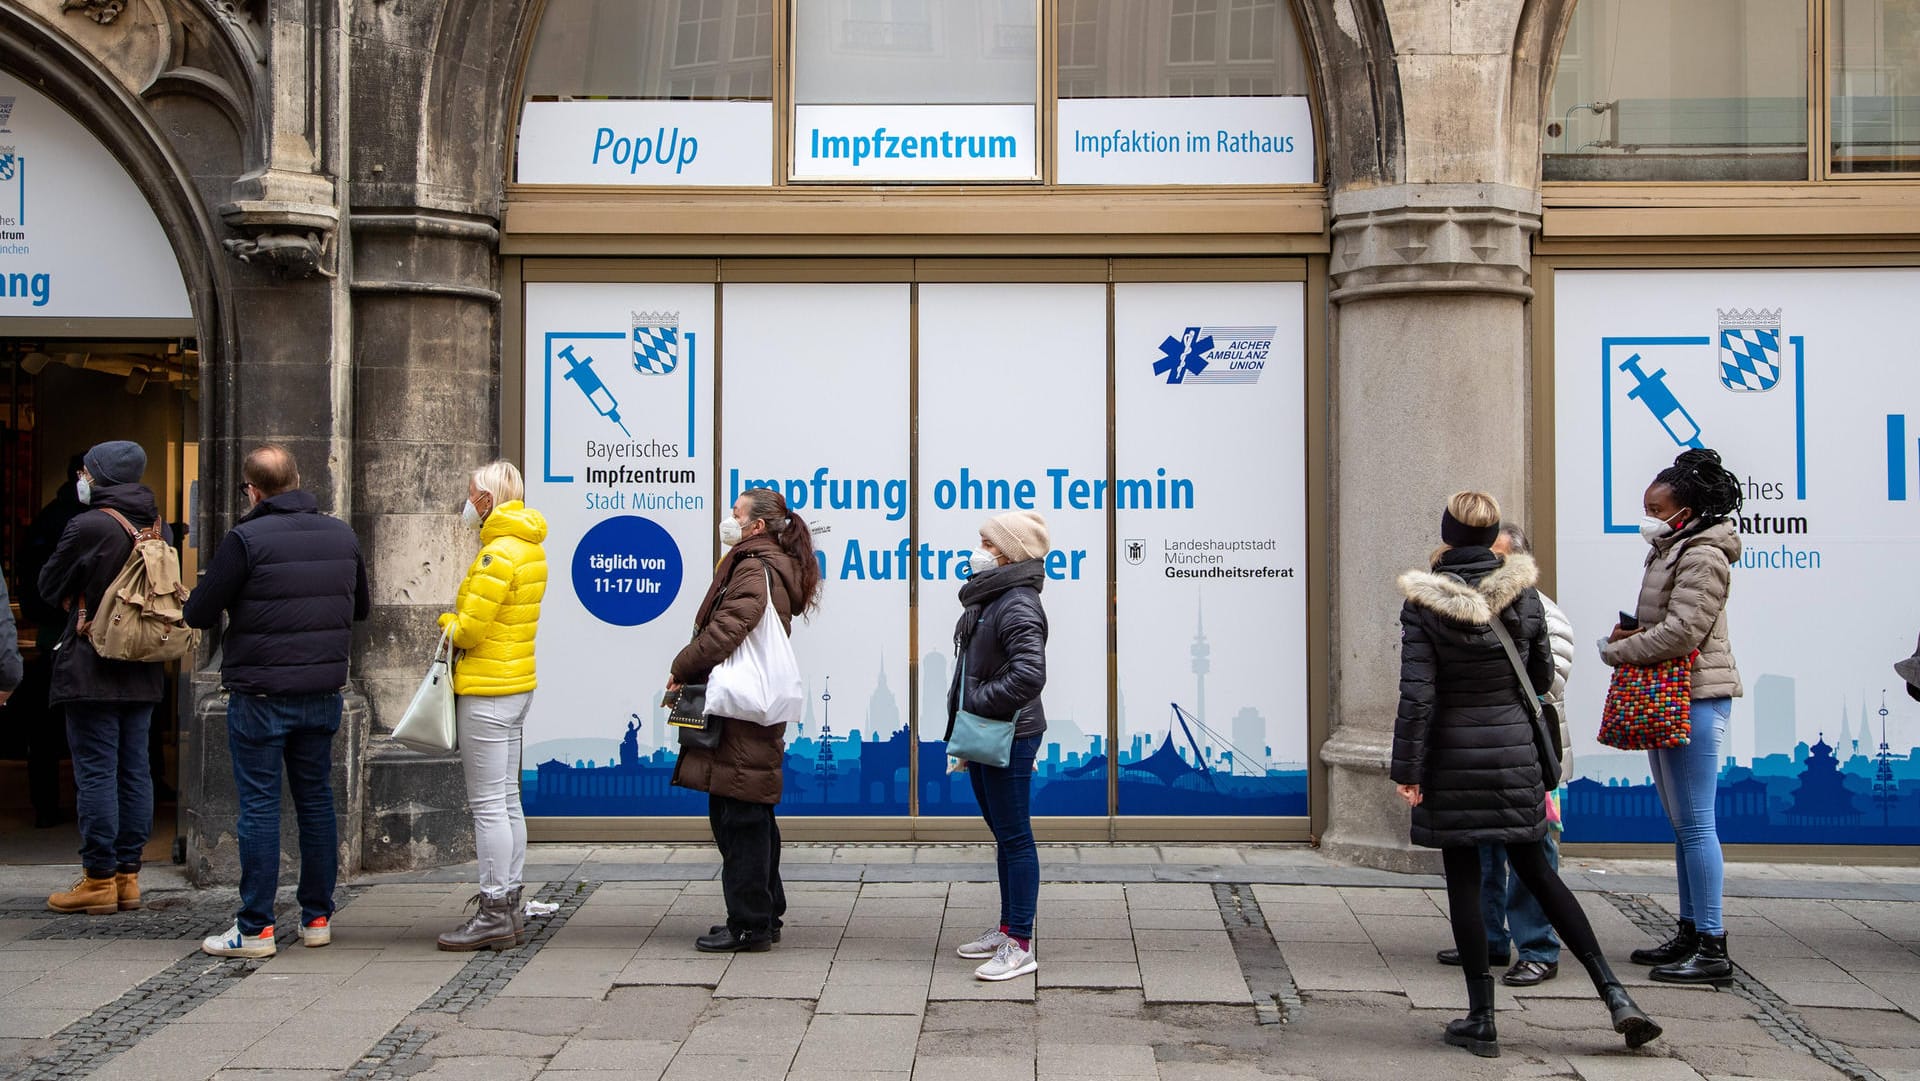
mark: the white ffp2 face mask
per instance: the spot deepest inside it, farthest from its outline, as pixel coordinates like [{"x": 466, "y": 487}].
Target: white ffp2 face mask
[
  {"x": 982, "y": 562},
  {"x": 470, "y": 515},
  {"x": 83, "y": 490},
  {"x": 1653, "y": 530},
  {"x": 729, "y": 531}
]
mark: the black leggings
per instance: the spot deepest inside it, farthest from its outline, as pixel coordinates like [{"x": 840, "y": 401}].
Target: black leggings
[{"x": 1529, "y": 862}]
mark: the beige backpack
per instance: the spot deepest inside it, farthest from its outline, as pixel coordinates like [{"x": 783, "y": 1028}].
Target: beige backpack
[{"x": 140, "y": 616}]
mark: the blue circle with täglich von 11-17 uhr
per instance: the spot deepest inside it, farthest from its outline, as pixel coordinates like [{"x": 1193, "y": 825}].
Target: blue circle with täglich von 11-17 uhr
[{"x": 627, "y": 570}]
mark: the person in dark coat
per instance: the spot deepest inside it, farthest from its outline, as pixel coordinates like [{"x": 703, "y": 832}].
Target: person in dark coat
[
  {"x": 291, "y": 583},
  {"x": 1001, "y": 641},
  {"x": 1471, "y": 758},
  {"x": 109, "y": 704},
  {"x": 769, "y": 550},
  {"x": 45, "y": 724}
]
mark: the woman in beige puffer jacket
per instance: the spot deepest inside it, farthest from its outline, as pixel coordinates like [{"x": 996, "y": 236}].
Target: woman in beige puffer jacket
[{"x": 1683, "y": 608}]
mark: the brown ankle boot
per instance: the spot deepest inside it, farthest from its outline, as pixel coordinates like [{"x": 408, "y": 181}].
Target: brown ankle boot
[
  {"x": 127, "y": 886},
  {"x": 94, "y": 896},
  {"x": 519, "y": 909},
  {"x": 489, "y": 928}
]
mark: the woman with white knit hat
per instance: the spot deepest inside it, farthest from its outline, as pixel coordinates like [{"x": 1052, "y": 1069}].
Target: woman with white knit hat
[{"x": 1001, "y": 641}]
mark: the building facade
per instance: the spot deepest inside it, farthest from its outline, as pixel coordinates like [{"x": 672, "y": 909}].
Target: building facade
[{"x": 1234, "y": 291}]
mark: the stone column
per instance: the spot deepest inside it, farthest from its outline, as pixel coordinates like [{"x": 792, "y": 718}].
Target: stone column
[
  {"x": 427, "y": 381},
  {"x": 1430, "y": 385}
]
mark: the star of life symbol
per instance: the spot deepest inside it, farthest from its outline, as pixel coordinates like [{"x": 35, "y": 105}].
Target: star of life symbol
[
  {"x": 656, "y": 342},
  {"x": 1749, "y": 349},
  {"x": 1183, "y": 356}
]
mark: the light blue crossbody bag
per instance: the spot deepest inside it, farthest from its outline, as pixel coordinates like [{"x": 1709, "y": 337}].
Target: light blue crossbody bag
[{"x": 980, "y": 739}]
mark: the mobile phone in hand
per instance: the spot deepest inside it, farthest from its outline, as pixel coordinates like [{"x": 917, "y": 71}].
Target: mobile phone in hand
[{"x": 1628, "y": 622}]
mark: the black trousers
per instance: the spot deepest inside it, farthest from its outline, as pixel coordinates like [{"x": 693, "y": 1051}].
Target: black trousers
[
  {"x": 1529, "y": 863},
  {"x": 748, "y": 836}
]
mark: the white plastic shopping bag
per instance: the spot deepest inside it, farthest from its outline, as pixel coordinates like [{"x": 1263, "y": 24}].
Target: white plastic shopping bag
[{"x": 760, "y": 682}]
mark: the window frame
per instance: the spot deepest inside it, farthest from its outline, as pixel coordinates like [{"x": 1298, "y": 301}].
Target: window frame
[
  {"x": 1819, "y": 70},
  {"x": 1047, "y": 59}
]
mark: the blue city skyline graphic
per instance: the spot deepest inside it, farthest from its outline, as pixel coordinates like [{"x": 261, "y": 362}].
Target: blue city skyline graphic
[
  {"x": 1848, "y": 786},
  {"x": 862, "y": 768}
]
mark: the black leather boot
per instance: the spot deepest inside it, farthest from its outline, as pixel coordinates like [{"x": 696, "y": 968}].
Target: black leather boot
[
  {"x": 727, "y": 940},
  {"x": 1475, "y": 1031},
  {"x": 773, "y": 935},
  {"x": 1708, "y": 965},
  {"x": 1628, "y": 1019},
  {"x": 1678, "y": 948}
]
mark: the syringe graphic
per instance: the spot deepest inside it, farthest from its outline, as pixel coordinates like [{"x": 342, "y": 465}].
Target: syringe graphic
[
  {"x": 598, "y": 396},
  {"x": 1653, "y": 392}
]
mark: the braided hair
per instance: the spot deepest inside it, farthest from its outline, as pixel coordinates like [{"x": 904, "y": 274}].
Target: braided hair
[{"x": 1701, "y": 484}]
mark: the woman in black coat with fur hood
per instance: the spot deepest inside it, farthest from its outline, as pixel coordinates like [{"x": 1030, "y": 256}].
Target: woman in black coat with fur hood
[{"x": 1471, "y": 757}]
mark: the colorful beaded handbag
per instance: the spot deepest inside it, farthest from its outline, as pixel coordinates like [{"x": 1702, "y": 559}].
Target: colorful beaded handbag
[{"x": 1647, "y": 705}]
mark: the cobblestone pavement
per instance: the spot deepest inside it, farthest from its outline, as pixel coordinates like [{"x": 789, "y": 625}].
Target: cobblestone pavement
[{"x": 1156, "y": 962}]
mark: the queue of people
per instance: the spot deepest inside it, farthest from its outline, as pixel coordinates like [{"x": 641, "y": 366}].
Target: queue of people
[{"x": 1479, "y": 751}]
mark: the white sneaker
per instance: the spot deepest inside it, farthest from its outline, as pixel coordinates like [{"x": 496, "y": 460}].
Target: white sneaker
[
  {"x": 234, "y": 944},
  {"x": 983, "y": 947},
  {"x": 317, "y": 933},
  {"x": 1008, "y": 961}
]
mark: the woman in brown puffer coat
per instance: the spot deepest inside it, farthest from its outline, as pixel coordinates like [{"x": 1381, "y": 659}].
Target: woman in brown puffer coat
[
  {"x": 1683, "y": 608},
  {"x": 769, "y": 553}
]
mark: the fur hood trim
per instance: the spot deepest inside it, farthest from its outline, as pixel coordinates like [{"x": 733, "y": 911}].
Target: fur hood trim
[{"x": 1462, "y": 603}]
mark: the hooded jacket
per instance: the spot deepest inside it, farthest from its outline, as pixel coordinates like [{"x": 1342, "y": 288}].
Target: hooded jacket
[
  {"x": 1464, "y": 733},
  {"x": 1002, "y": 642},
  {"x": 292, "y": 582},
  {"x": 1683, "y": 607},
  {"x": 91, "y": 552},
  {"x": 497, "y": 611},
  {"x": 1560, "y": 638},
  {"x": 750, "y": 762}
]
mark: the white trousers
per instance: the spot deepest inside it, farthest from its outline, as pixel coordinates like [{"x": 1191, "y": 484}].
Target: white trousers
[{"x": 490, "y": 730}]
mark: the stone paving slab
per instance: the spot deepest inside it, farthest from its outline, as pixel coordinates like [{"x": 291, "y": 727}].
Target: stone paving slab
[{"x": 1139, "y": 978}]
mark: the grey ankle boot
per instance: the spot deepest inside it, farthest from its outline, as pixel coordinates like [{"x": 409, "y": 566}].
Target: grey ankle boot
[
  {"x": 520, "y": 935},
  {"x": 489, "y": 928}
]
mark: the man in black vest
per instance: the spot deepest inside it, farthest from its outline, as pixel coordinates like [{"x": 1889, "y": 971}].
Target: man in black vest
[{"x": 292, "y": 583}]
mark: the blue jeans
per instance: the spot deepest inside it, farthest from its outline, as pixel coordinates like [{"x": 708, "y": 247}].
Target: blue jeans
[
  {"x": 112, "y": 782},
  {"x": 1512, "y": 911},
  {"x": 266, "y": 732},
  {"x": 1688, "y": 780},
  {"x": 1005, "y": 797}
]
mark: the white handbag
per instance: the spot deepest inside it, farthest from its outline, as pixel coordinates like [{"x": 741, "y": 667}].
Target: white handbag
[
  {"x": 760, "y": 682},
  {"x": 428, "y": 724}
]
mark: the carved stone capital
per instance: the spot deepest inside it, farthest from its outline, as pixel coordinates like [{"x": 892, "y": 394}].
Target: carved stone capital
[
  {"x": 289, "y": 220},
  {"x": 1433, "y": 238},
  {"x": 100, "y": 11}
]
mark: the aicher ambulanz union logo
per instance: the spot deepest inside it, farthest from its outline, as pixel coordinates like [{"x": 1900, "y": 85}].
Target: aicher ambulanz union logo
[
  {"x": 6, "y": 114},
  {"x": 1215, "y": 355},
  {"x": 656, "y": 342},
  {"x": 1749, "y": 348}
]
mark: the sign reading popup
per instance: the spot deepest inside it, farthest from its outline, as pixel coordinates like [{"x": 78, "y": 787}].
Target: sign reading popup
[
  {"x": 1185, "y": 141},
  {"x": 914, "y": 142},
  {"x": 647, "y": 143}
]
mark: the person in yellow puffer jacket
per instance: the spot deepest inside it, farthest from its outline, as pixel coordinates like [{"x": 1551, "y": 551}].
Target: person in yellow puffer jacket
[{"x": 492, "y": 626}]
